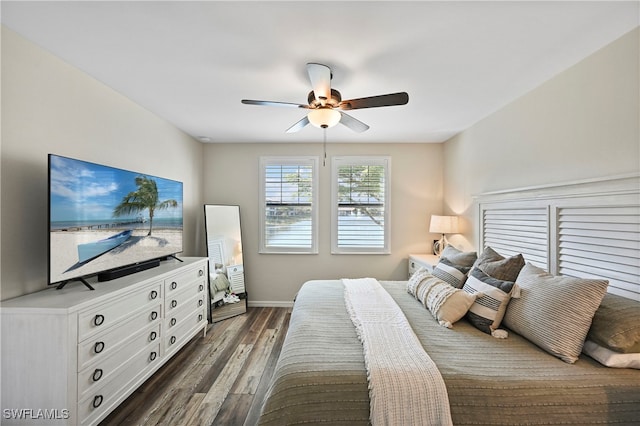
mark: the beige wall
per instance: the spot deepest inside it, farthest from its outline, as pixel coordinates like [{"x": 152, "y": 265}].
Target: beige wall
[
  {"x": 582, "y": 124},
  {"x": 232, "y": 177},
  {"x": 51, "y": 107}
]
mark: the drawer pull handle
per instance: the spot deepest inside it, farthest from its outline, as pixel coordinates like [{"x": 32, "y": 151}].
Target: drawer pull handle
[
  {"x": 153, "y": 336},
  {"x": 97, "y": 401},
  {"x": 98, "y": 320},
  {"x": 200, "y": 302},
  {"x": 199, "y": 317},
  {"x": 174, "y": 285},
  {"x": 173, "y": 339},
  {"x": 153, "y": 356},
  {"x": 200, "y": 287},
  {"x": 153, "y": 294},
  {"x": 174, "y": 303},
  {"x": 173, "y": 321},
  {"x": 98, "y": 347},
  {"x": 97, "y": 374},
  {"x": 154, "y": 315},
  {"x": 200, "y": 272}
]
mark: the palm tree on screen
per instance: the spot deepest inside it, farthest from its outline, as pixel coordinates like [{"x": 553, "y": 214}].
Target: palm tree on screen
[{"x": 145, "y": 197}]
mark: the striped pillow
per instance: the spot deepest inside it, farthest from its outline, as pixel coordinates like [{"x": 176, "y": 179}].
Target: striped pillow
[
  {"x": 451, "y": 273},
  {"x": 554, "y": 312},
  {"x": 487, "y": 311}
]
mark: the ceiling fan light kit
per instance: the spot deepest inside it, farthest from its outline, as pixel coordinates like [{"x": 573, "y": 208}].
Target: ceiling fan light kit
[
  {"x": 325, "y": 103},
  {"x": 324, "y": 118}
]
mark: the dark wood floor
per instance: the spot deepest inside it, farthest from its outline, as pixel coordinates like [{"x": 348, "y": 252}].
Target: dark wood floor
[{"x": 219, "y": 379}]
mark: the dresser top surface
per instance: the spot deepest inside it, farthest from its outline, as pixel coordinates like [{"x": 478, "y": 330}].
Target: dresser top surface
[{"x": 75, "y": 296}]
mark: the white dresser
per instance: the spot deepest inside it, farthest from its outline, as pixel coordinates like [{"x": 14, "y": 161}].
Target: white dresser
[{"x": 71, "y": 356}]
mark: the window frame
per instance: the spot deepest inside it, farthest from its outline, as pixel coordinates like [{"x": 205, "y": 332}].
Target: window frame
[
  {"x": 265, "y": 161},
  {"x": 373, "y": 160}
]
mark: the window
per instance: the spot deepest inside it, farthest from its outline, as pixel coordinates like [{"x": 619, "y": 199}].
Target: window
[
  {"x": 288, "y": 205},
  {"x": 360, "y": 204}
]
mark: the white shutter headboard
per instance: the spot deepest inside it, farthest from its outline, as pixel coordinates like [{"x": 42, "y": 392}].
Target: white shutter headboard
[{"x": 589, "y": 228}]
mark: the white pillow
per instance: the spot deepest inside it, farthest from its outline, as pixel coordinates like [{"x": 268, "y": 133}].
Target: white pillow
[
  {"x": 610, "y": 358},
  {"x": 446, "y": 303}
]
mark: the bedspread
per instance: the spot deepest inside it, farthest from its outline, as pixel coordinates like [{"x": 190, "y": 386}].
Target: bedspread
[{"x": 321, "y": 376}]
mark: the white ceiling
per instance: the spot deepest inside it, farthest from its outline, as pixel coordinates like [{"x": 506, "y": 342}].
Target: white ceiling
[{"x": 192, "y": 62}]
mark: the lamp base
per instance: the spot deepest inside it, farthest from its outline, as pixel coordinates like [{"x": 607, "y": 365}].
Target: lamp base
[{"x": 438, "y": 246}]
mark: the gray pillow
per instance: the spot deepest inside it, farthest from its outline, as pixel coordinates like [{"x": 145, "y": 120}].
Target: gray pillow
[
  {"x": 499, "y": 267},
  {"x": 554, "y": 312},
  {"x": 461, "y": 258},
  {"x": 616, "y": 324}
]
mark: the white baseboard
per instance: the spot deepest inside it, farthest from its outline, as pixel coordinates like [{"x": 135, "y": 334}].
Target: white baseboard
[{"x": 269, "y": 304}]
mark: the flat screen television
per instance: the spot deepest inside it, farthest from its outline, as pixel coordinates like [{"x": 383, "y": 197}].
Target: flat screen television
[{"x": 103, "y": 219}]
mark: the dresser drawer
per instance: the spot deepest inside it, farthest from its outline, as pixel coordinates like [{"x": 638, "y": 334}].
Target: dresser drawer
[
  {"x": 177, "y": 299},
  {"x": 179, "y": 281},
  {"x": 103, "y": 399},
  {"x": 101, "y": 345},
  {"x": 197, "y": 303},
  {"x": 95, "y": 376},
  {"x": 183, "y": 331},
  {"x": 97, "y": 319}
]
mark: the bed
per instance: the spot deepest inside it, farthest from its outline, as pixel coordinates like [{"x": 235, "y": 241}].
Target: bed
[{"x": 321, "y": 375}]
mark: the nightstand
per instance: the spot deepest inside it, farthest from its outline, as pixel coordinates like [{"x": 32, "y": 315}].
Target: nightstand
[{"x": 427, "y": 261}]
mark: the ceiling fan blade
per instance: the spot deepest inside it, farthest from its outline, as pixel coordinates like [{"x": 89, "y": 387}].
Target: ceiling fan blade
[
  {"x": 352, "y": 123},
  {"x": 400, "y": 98},
  {"x": 299, "y": 125},
  {"x": 273, "y": 103},
  {"x": 320, "y": 77}
]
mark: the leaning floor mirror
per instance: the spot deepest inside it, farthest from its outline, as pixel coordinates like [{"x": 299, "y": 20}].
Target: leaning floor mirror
[{"x": 226, "y": 264}]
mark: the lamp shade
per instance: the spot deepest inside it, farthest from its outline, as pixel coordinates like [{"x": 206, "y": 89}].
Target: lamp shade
[
  {"x": 324, "y": 117},
  {"x": 444, "y": 224}
]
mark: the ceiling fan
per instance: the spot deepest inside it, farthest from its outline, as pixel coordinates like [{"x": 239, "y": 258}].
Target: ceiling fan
[{"x": 326, "y": 105}]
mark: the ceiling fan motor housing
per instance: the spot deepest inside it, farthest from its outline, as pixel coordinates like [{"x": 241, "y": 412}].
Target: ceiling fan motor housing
[{"x": 335, "y": 100}]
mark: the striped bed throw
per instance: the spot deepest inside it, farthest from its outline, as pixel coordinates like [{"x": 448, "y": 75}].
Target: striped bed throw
[{"x": 405, "y": 386}]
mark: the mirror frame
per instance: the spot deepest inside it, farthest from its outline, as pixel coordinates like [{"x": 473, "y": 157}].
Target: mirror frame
[{"x": 230, "y": 309}]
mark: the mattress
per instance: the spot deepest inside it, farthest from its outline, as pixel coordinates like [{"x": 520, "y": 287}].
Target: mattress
[{"x": 320, "y": 376}]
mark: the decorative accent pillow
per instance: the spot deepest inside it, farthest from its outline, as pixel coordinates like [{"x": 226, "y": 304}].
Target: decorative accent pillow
[
  {"x": 446, "y": 303},
  {"x": 451, "y": 273},
  {"x": 610, "y": 358},
  {"x": 457, "y": 257},
  {"x": 487, "y": 311},
  {"x": 498, "y": 266},
  {"x": 616, "y": 324},
  {"x": 554, "y": 312},
  {"x": 415, "y": 280}
]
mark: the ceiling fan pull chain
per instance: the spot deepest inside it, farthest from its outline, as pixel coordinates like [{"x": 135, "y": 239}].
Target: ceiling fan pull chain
[{"x": 324, "y": 147}]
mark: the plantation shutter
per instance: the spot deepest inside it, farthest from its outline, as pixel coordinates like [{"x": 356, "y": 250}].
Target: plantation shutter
[
  {"x": 601, "y": 242},
  {"x": 361, "y": 205},
  {"x": 510, "y": 231},
  {"x": 288, "y": 205}
]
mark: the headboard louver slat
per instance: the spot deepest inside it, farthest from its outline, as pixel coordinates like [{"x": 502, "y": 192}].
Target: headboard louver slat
[
  {"x": 588, "y": 228},
  {"x": 513, "y": 231},
  {"x": 601, "y": 242}
]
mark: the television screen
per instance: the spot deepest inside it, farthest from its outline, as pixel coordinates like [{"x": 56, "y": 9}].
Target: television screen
[{"x": 102, "y": 218}]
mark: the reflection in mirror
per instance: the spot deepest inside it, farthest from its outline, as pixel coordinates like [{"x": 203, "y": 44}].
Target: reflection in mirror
[{"x": 226, "y": 263}]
